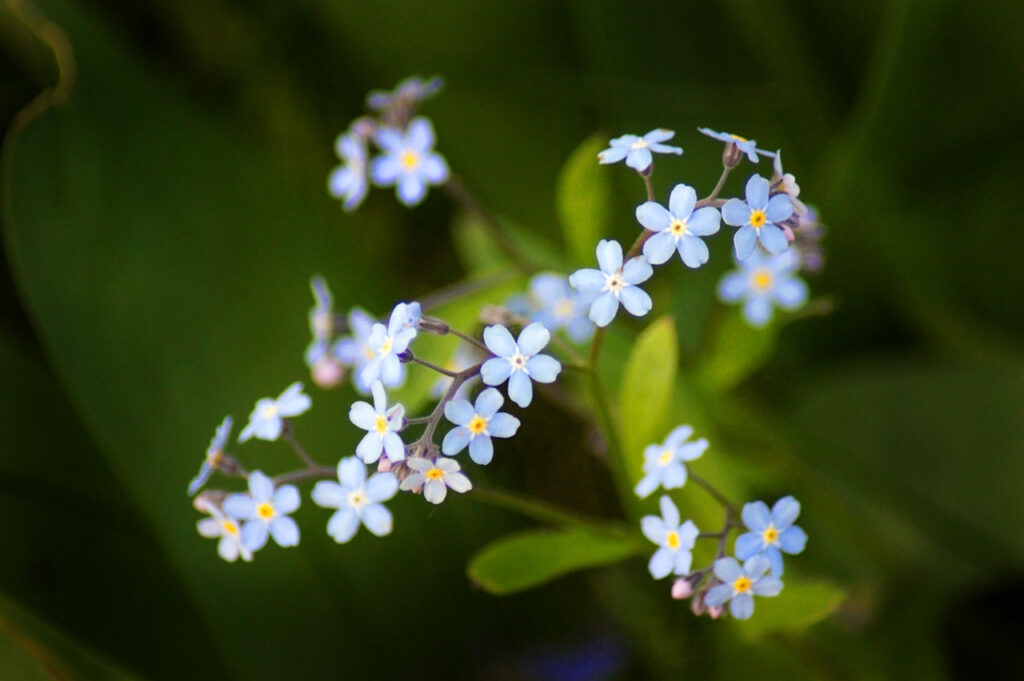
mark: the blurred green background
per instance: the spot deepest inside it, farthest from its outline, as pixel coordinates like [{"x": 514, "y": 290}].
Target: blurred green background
[{"x": 165, "y": 205}]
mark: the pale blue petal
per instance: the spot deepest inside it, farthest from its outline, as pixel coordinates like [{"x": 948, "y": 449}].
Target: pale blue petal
[
  {"x": 756, "y": 516},
  {"x": 435, "y": 491},
  {"x": 662, "y": 562},
  {"x": 603, "y": 310},
  {"x": 736, "y": 213},
  {"x": 639, "y": 159},
  {"x": 370, "y": 447},
  {"x": 745, "y": 240},
  {"x": 669, "y": 512},
  {"x": 784, "y": 512},
  {"x": 385, "y": 170},
  {"x": 499, "y": 341},
  {"x": 456, "y": 440},
  {"x": 488, "y": 403},
  {"x": 587, "y": 280},
  {"x": 351, "y": 472},
  {"x": 654, "y": 528},
  {"x": 779, "y": 208},
  {"x": 772, "y": 238},
  {"x": 389, "y": 139},
  {"x": 457, "y": 481},
  {"x": 693, "y": 251},
  {"x": 293, "y": 404},
  {"x": 727, "y": 570},
  {"x": 758, "y": 311},
  {"x": 692, "y": 450},
  {"x": 481, "y": 450},
  {"x": 624, "y": 141},
  {"x": 757, "y": 192},
  {"x": 533, "y": 338},
  {"x": 381, "y": 487},
  {"x": 394, "y": 447},
  {"x": 377, "y": 519},
  {"x": 411, "y": 190},
  {"x": 635, "y": 300},
  {"x": 636, "y": 271},
  {"x": 390, "y": 370},
  {"x": 767, "y": 586},
  {"x": 659, "y": 248},
  {"x": 459, "y": 412},
  {"x": 328, "y": 494},
  {"x": 434, "y": 168},
  {"x": 653, "y": 216},
  {"x": 284, "y": 531},
  {"x": 793, "y": 539},
  {"x": 254, "y": 534},
  {"x": 503, "y": 425},
  {"x": 705, "y": 222},
  {"x": 756, "y": 566},
  {"x": 718, "y": 595},
  {"x": 420, "y": 134},
  {"x": 665, "y": 149},
  {"x": 682, "y": 200},
  {"x": 678, "y": 436},
  {"x": 648, "y": 484},
  {"x": 683, "y": 561},
  {"x": 609, "y": 255},
  {"x": 286, "y": 499},
  {"x": 791, "y": 293},
  {"x": 239, "y": 506},
  {"x": 543, "y": 368},
  {"x": 612, "y": 155},
  {"x": 674, "y": 476},
  {"x": 774, "y": 557},
  {"x": 747, "y": 544},
  {"x": 495, "y": 371},
  {"x": 520, "y": 389},
  {"x": 362, "y": 415},
  {"x": 260, "y": 486},
  {"x": 742, "y": 606},
  {"x": 659, "y": 135},
  {"x": 343, "y": 525}
]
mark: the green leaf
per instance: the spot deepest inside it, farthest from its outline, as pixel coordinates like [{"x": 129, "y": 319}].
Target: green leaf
[
  {"x": 734, "y": 351},
  {"x": 583, "y": 200},
  {"x": 797, "y": 607},
  {"x": 645, "y": 397},
  {"x": 529, "y": 559}
]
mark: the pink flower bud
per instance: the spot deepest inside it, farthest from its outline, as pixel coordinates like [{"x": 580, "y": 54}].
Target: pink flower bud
[
  {"x": 715, "y": 612},
  {"x": 327, "y": 372},
  {"x": 682, "y": 589},
  {"x": 383, "y": 464}
]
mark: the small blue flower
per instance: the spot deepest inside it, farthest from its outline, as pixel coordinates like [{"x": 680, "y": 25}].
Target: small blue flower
[
  {"x": 771, "y": 533},
  {"x": 615, "y": 283},
  {"x": 756, "y": 218},
  {"x": 477, "y": 425},
  {"x": 637, "y": 150},
  {"x": 410, "y": 91},
  {"x": 409, "y": 161},
  {"x": 517, "y": 361},
  {"x": 386, "y": 343},
  {"x": 675, "y": 541},
  {"x": 553, "y": 303},
  {"x": 265, "y": 511},
  {"x": 436, "y": 478},
  {"x": 213, "y": 456},
  {"x": 348, "y": 181},
  {"x": 741, "y": 584},
  {"x": 762, "y": 282},
  {"x": 357, "y": 499},
  {"x": 663, "y": 464},
  {"x": 265, "y": 420},
  {"x": 748, "y": 147},
  {"x": 354, "y": 350},
  {"x": 679, "y": 228},
  {"x": 230, "y": 546},
  {"x": 382, "y": 426}
]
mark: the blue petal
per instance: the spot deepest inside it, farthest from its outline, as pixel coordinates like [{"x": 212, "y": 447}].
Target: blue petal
[
  {"x": 767, "y": 586},
  {"x": 377, "y": 519},
  {"x": 756, "y": 516},
  {"x": 639, "y": 159},
  {"x": 394, "y": 447},
  {"x": 520, "y": 389},
  {"x": 385, "y": 170},
  {"x": 683, "y": 561},
  {"x": 503, "y": 425},
  {"x": 654, "y": 528},
  {"x": 662, "y": 562},
  {"x": 748, "y": 544},
  {"x": 774, "y": 557},
  {"x": 758, "y": 311},
  {"x": 718, "y": 595},
  {"x": 459, "y": 412},
  {"x": 653, "y": 216},
  {"x": 757, "y": 192},
  {"x": 286, "y": 499},
  {"x": 434, "y": 168},
  {"x": 727, "y": 570},
  {"x": 481, "y": 450},
  {"x": 351, "y": 472},
  {"x": 411, "y": 189},
  {"x": 343, "y": 525},
  {"x": 499, "y": 341},
  {"x": 609, "y": 255},
  {"x": 495, "y": 371},
  {"x": 669, "y": 512},
  {"x": 254, "y": 534},
  {"x": 587, "y": 280},
  {"x": 648, "y": 484},
  {"x": 791, "y": 293},
  {"x": 742, "y": 606},
  {"x": 635, "y": 300},
  {"x": 456, "y": 440},
  {"x": 659, "y": 248},
  {"x": 678, "y": 436},
  {"x": 239, "y": 506},
  {"x": 381, "y": 487},
  {"x": 674, "y": 475},
  {"x": 328, "y": 494},
  {"x": 488, "y": 403},
  {"x": 779, "y": 208},
  {"x": 693, "y": 251},
  {"x": 705, "y": 222},
  {"x": 772, "y": 238},
  {"x": 612, "y": 154},
  {"x": 390, "y": 370},
  {"x": 260, "y": 486},
  {"x": 603, "y": 310},
  {"x": 420, "y": 134},
  {"x": 543, "y": 368},
  {"x": 745, "y": 240},
  {"x": 784, "y": 512},
  {"x": 636, "y": 271},
  {"x": 665, "y": 149},
  {"x": 533, "y": 338},
  {"x": 793, "y": 539},
  {"x": 682, "y": 200},
  {"x": 284, "y": 531},
  {"x": 370, "y": 447},
  {"x": 659, "y": 135},
  {"x": 735, "y": 213}
]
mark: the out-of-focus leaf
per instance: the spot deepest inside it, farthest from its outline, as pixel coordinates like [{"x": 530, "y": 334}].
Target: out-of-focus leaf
[
  {"x": 583, "y": 200},
  {"x": 529, "y": 559},
  {"x": 734, "y": 351},
  {"x": 475, "y": 248},
  {"x": 798, "y": 606}
]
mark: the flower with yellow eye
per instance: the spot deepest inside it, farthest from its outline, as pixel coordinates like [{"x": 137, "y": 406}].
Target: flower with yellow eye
[
  {"x": 637, "y": 150},
  {"x": 763, "y": 282},
  {"x": 663, "y": 464},
  {"x": 771, "y": 533},
  {"x": 354, "y": 350},
  {"x": 357, "y": 499},
  {"x": 518, "y": 361},
  {"x": 213, "y": 456},
  {"x": 266, "y": 419},
  {"x": 265, "y": 511},
  {"x": 381, "y": 425},
  {"x": 230, "y": 546},
  {"x": 675, "y": 541},
  {"x": 386, "y": 343},
  {"x": 477, "y": 424},
  {"x": 757, "y": 217},
  {"x": 409, "y": 161},
  {"x": 678, "y": 228},
  {"x": 435, "y": 477},
  {"x": 740, "y": 585}
]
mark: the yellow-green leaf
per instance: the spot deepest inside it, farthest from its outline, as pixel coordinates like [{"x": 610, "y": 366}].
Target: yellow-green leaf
[{"x": 583, "y": 200}]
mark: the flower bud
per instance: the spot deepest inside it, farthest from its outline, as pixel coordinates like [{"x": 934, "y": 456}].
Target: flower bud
[
  {"x": 715, "y": 612},
  {"x": 682, "y": 589},
  {"x": 435, "y": 326},
  {"x": 731, "y": 156},
  {"x": 327, "y": 372},
  {"x": 364, "y": 127},
  {"x": 384, "y": 464},
  {"x": 697, "y": 604}
]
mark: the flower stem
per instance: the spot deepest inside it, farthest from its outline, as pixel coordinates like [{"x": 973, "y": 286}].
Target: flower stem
[
  {"x": 469, "y": 339},
  {"x": 287, "y": 436},
  {"x": 440, "y": 370},
  {"x": 718, "y": 496}
]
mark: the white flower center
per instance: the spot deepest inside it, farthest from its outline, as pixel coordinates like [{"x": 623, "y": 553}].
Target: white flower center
[
  {"x": 357, "y": 499},
  {"x": 614, "y": 283}
]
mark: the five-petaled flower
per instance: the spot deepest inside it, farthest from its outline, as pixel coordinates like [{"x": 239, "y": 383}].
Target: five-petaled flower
[
  {"x": 357, "y": 500},
  {"x": 748, "y": 147},
  {"x": 230, "y": 546},
  {"x": 348, "y": 181},
  {"x": 518, "y": 362},
  {"x": 408, "y": 160},
  {"x": 637, "y": 150},
  {"x": 381, "y": 425},
  {"x": 265, "y": 421},
  {"x": 436, "y": 477},
  {"x": 477, "y": 425},
  {"x": 762, "y": 282},
  {"x": 675, "y": 541},
  {"x": 265, "y": 511},
  {"x": 386, "y": 343},
  {"x": 771, "y": 532},
  {"x": 757, "y": 218},
  {"x": 614, "y": 283},
  {"x": 679, "y": 228},
  {"x": 740, "y": 585},
  {"x": 556, "y": 305},
  {"x": 663, "y": 464},
  {"x": 354, "y": 350},
  {"x": 214, "y": 453}
]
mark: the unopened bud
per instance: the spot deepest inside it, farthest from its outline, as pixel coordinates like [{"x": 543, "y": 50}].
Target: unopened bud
[
  {"x": 384, "y": 464},
  {"x": 715, "y": 612},
  {"x": 697, "y": 604},
  {"x": 682, "y": 589},
  {"x": 364, "y": 127},
  {"x": 435, "y": 326},
  {"x": 788, "y": 232},
  {"x": 405, "y": 356},
  {"x": 327, "y": 372},
  {"x": 732, "y": 156}
]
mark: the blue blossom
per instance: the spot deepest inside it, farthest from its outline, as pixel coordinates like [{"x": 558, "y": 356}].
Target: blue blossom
[
  {"x": 741, "y": 584},
  {"x": 214, "y": 453},
  {"x": 265, "y": 421},
  {"x": 675, "y": 541},
  {"x": 556, "y": 305},
  {"x": 386, "y": 343},
  {"x": 748, "y": 147},
  {"x": 265, "y": 511},
  {"x": 230, "y": 546},
  {"x": 614, "y": 283},
  {"x": 637, "y": 150},
  {"x": 518, "y": 362},
  {"x": 477, "y": 425},
  {"x": 436, "y": 478},
  {"x": 762, "y": 282},
  {"x": 679, "y": 228},
  {"x": 357, "y": 499},
  {"x": 410, "y": 91},
  {"x": 409, "y": 161},
  {"x": 771, "y": 532},
  {"x": 354, "y": 350},
  {"x": 348, "y": 181},
  {"x": 757, "y": 218},
  {"x": 382, "y": 425},
  {"x": 663, "y": 464}
]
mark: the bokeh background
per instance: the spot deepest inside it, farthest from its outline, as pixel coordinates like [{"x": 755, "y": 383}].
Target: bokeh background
[{"x": 164, "y": 205}]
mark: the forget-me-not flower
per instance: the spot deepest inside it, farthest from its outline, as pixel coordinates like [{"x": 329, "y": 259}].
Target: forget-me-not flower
[
  {"x": 477, "y": 424},
  {"x": 436, "y": 478},
  {"x": 741, "y": 584},
  {"x": 213, "y": 456},
  {"x": 748, "y": 147},
  {"x": 382, "y": 425},
  {"x": 230, "y": 546},
  {"x": 678, "y": 228},
  {"x": 265, "y": 421},
  {"x": 762, "y": 282},
  {"x": 518, "y": 362},
  {"x": 357, "y": 499},
  {"x": 663, "y": 464},
  {"x": 265, "y": 511},
  {"x": 614, "y": 283},
  {"x": 348, "y": 181},
  {"x": 386, "y": 343},
  {"x": 556, "y": 305},
  {"x": 354, "y": 350},
  {"x": 637, "y": 150},
  {"x": 409, "y": 161},
  {"x": 772, "y": 532},
  {"x": 410, "y": 91},
  {"x": 757, "y": 217},
  {"x": 675, "y": 541}
]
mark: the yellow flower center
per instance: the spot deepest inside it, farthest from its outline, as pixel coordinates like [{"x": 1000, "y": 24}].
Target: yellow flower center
[
  {"x": 740, "y": 585},
  {"x": 639, "y": 144},
  {"x": 269, "y": 411},
  {"x": 666, "y": 457},
  {"x": 409, "y": 160},
  {"x": 381, "y": 425},
  {"x": 386, "y": 347},
  {"x": 230, "y": 527},
  {"x": 757, "y": 219},
  {"x": 477, "y": 425},
  {"x": 762, "y": 280},
  {"x": 214, "y": 457},
  {"x": 738, "y": 138},
  {"x": 435, "y": 474},
  {"x": 357, "y": 499},
  {"x": 770, "y": 535},
  {"x": 672, "y": 540},
  {"x": 563, "y": 308},
  {"x": 678, "y": 227},
  {"x": 265, "y": 511},
  {"x": 368, "y": 353}
]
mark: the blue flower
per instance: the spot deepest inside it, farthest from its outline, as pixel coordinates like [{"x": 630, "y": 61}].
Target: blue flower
[
  {"x": 409, "y": 161},
  {"x": 230, "y": 546},
  {"x": 553, "y": 303},
  {"x": 213, "y": 456},
  {"x": 762, "y": 282},
  {"x": 382, "y": 426},
  {"x": 265, "y": 511},
  {"x": 477, "y": 425},
  {"x": 436, "y": 478},
  {"x": 357, "y": 499},
  {"x": 748, "y": 147},
  {"x": 517, "y": 361},
  {"x": 348, "y": 181},
  {"x": 756, "y": 218},
  {"x": 771, "y": 533},
  {"x": 675, "y": 541},
  {"x": 386, "y": 344},
  {"x": 741, "y": 584},
  {"x": 354, "y": 350},
  {"x": 663, "y": 464},
  {"x": 637, "y": 150},
  {"x": 679, "y": 228},
  {"x": 410, "y": 91},
  {"x": 615, "y": 283},
  {"x": 265, "y": 420}
]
